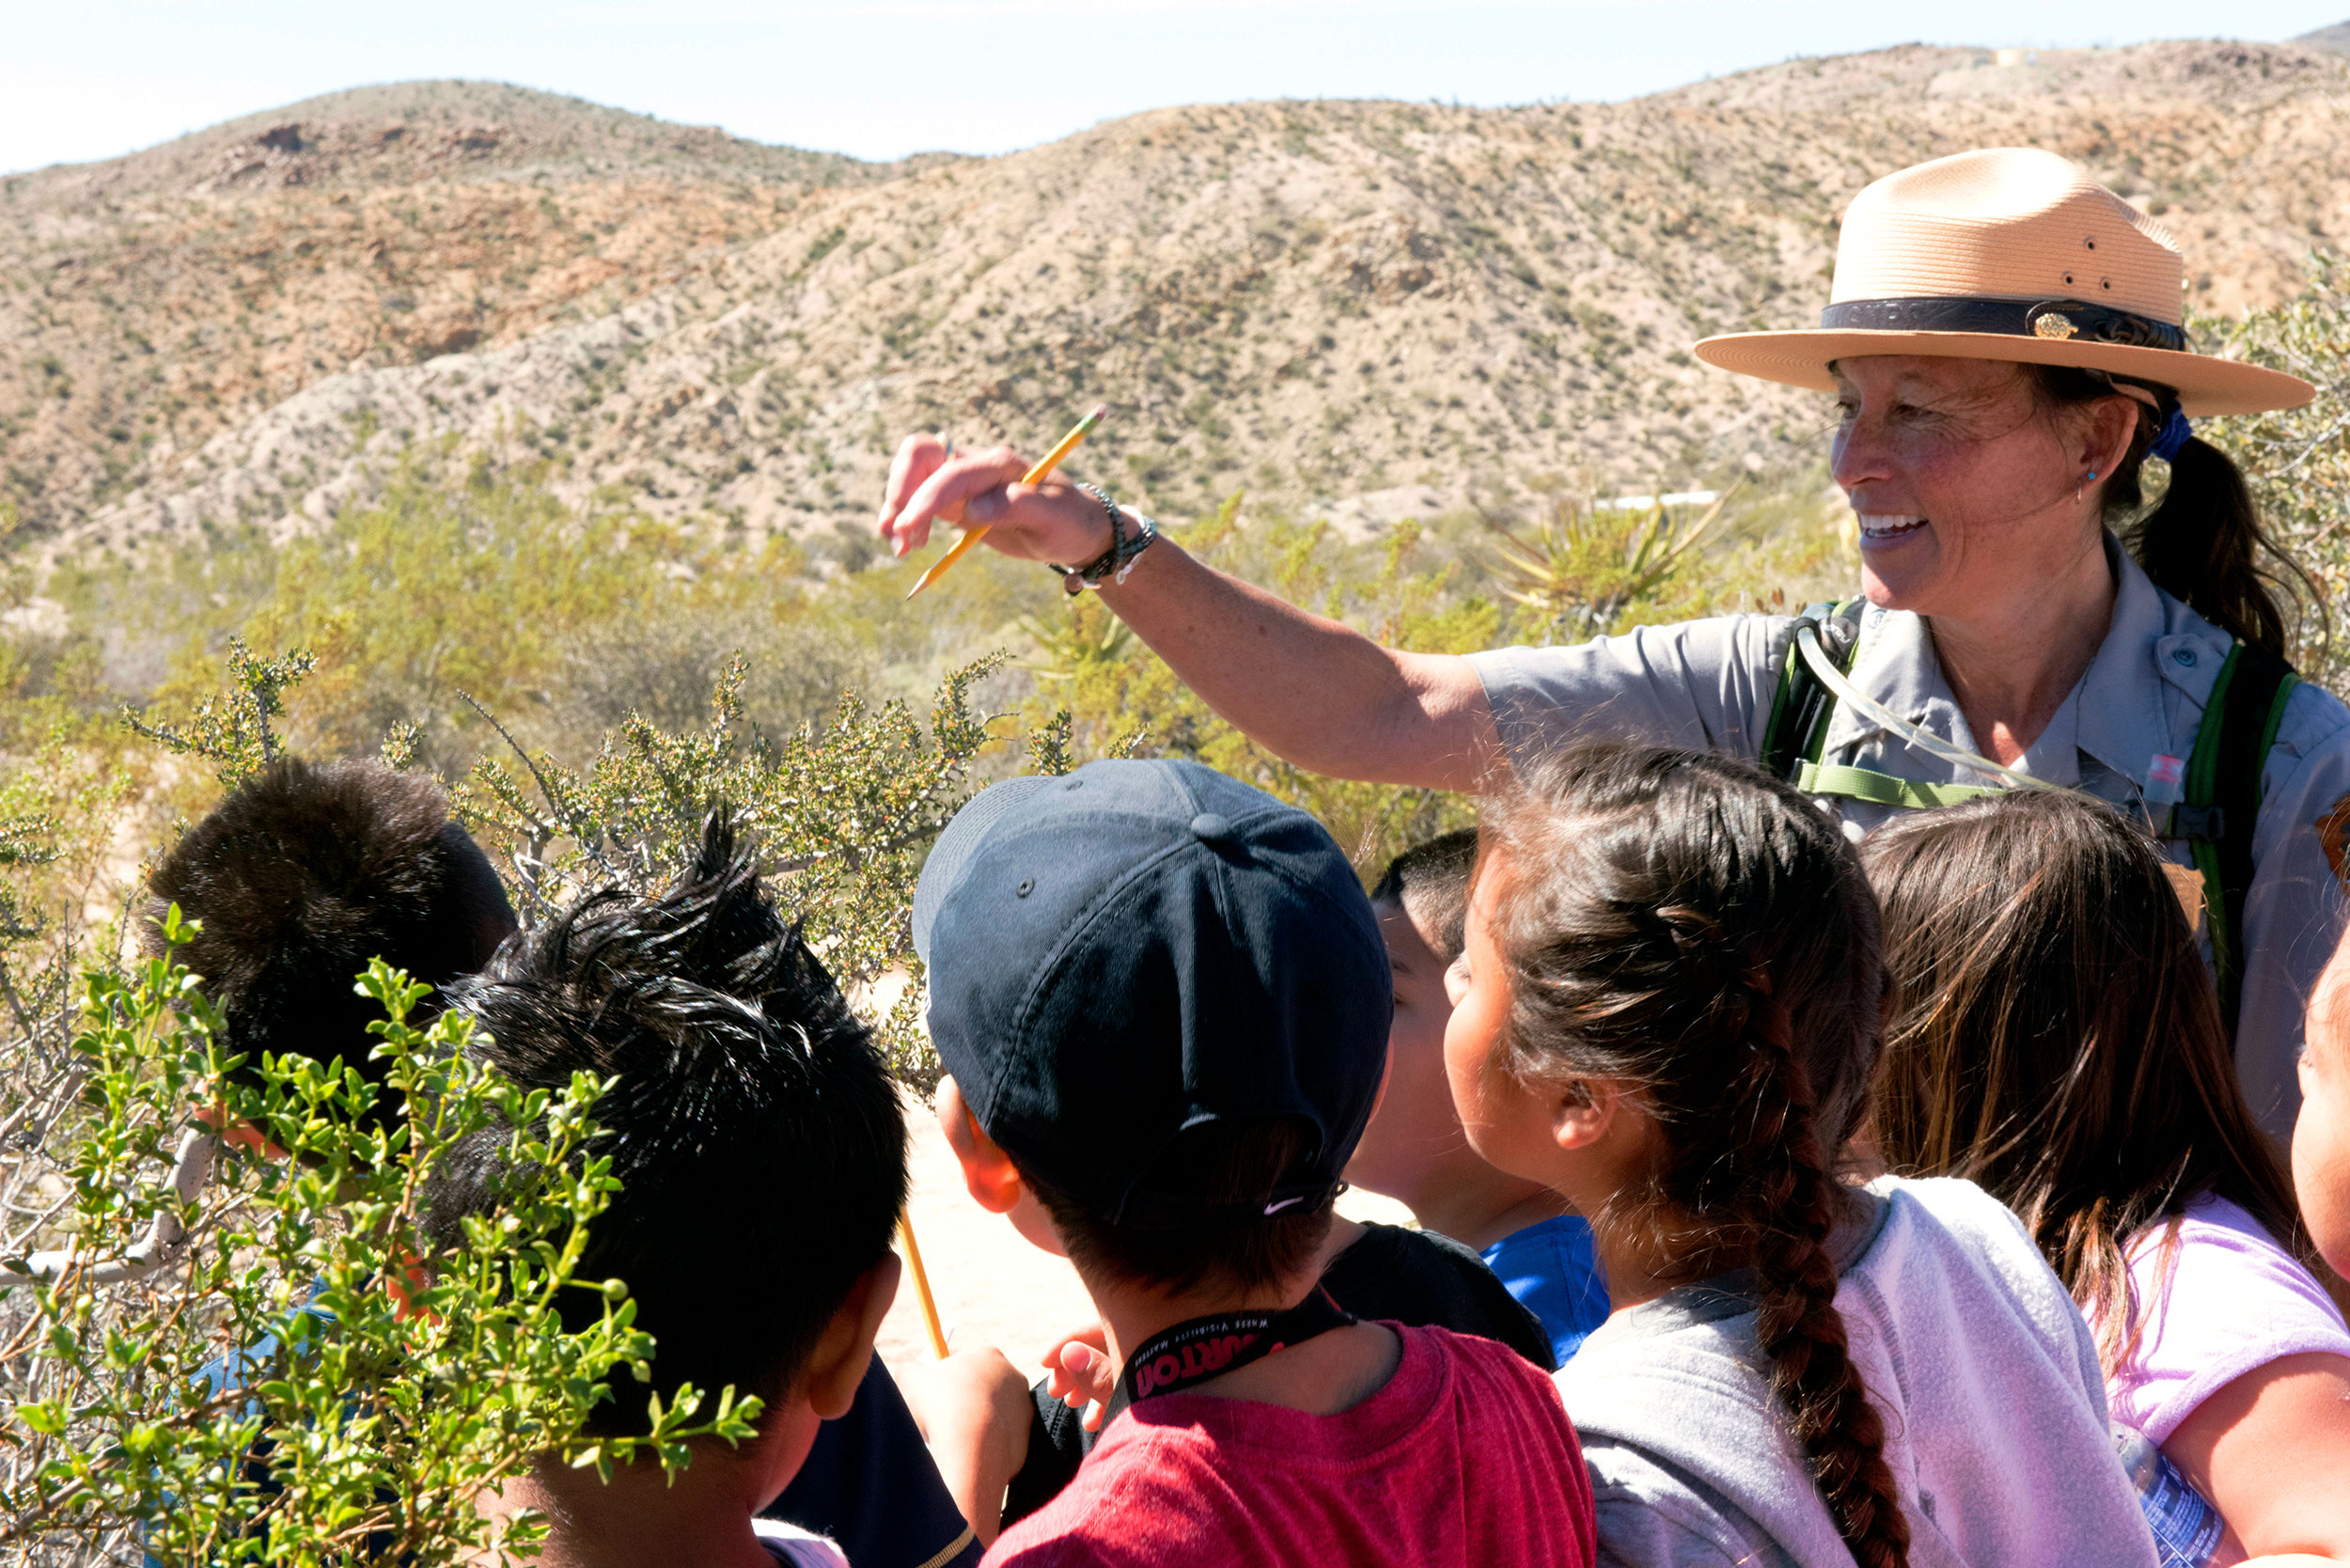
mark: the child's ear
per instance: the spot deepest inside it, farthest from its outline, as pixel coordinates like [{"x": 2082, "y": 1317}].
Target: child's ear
[
  {"x": 988, "y": 1172},
  {"x": 1584, "y": 1111},
  {"x": 846, "y": 1346}
]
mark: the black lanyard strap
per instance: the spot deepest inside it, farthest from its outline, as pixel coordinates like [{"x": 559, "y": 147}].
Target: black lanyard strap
[{"x": 1194, "y": 1351}]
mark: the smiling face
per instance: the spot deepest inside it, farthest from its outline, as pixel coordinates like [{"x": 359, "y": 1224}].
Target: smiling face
[{"x": 1968, "y": 492}]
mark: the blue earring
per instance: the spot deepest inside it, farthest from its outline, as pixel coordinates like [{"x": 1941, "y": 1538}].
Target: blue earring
[{"x": 2092, "y": 475}]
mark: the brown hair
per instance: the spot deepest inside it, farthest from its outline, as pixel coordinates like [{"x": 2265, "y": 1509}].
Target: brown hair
[
  {"x": 2059, "y": 1040},
  {"x": 1682, "y": 922},
  {"x": 1230, "y": 1168},
  {"x": 2204, "y": 543}
]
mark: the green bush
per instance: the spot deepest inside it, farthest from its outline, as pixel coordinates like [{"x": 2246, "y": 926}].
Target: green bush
[{"x": 382, "y": 1420}]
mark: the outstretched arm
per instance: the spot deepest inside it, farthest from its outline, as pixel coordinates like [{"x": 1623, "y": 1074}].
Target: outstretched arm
[{"x": 1312, "y": 691}]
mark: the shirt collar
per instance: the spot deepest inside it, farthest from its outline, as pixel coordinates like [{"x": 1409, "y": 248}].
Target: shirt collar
[
  {"x": 2123, "y": 728},
  {"x": 2127, "y": 723}
]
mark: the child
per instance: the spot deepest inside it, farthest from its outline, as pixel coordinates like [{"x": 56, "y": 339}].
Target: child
[
  {"x": 762, "y": 1158},
  {"x": 1413, "y": 1151},
  {"x": 1666, "y": 1010},
  {"x": 304, "y": 873},
  {"x": 1531, "y": 1287},
  {"x": 2060, "y": 1042},
  {"x": 1161, "y": 999},
  {"x": 2320, "y": 1138}
]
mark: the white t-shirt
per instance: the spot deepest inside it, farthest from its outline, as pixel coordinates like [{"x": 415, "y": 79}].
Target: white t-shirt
[
  {"x": 2233, "y": 1301},
  {"x": 787, "y": 1543}
]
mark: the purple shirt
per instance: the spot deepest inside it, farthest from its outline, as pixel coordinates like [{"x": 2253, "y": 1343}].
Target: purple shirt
[{"x": 2233, "y": 1301}]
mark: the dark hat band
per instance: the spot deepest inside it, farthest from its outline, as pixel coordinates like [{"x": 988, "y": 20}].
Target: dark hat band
[{"x": 2060, "y": 320}]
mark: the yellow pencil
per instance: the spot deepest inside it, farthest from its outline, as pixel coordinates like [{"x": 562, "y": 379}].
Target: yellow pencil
[
  {"x": 1051, "y": 461},
  {"x": 921, "y": 1285}
]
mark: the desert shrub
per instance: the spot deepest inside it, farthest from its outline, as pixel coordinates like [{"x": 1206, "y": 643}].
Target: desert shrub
[
  {"x": 382, "y": 1415},
  {"x": 2298, "y": 461}
]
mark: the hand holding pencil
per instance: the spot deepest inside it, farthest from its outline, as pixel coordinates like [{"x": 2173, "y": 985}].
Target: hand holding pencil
[{"x": 991, "y": 492}]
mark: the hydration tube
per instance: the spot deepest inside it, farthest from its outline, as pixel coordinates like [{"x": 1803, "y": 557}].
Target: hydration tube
[
  {"x": 165, "y": 1240},
  {"x": 1807, "y": 641}
]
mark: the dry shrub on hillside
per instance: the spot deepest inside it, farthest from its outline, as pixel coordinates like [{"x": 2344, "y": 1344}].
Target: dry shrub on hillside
[{"x": 2298, "y": 461}]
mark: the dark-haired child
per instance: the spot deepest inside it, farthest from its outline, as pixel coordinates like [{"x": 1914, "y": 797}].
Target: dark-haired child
[
  {"x": 304, "y": 873},
  {"x": 1413, "y": 1151},
  {"x": 2059, "y": 1042},
  {"x": 1161, "y": 996},
  {"x": 1667, "y": 1008},
  {"x": 760, "y": 1151}
]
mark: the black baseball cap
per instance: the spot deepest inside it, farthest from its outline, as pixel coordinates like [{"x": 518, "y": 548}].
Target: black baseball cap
[{"x": 1137, "y": 950}]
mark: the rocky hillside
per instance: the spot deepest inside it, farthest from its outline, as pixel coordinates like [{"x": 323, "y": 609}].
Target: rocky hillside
[
  {"x": 1383, "y": 307},
  {"x": 148, "y": 302}
]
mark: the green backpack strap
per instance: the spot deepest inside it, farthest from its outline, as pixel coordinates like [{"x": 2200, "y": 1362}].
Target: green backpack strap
[
  {"x": 2223, "y": 799},
  {"x": 1797, "y": 726}
]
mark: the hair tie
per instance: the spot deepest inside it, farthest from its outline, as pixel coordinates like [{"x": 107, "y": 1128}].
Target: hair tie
[{"x": 2175, "y": 433}]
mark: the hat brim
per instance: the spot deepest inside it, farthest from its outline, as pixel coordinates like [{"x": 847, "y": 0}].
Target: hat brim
[{"x": 2206, "y": 386}]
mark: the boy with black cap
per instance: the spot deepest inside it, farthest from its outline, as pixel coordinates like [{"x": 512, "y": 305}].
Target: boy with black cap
[{"x": 1163, "y": 1001}]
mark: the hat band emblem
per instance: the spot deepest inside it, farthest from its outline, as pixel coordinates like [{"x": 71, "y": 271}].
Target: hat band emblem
[{"x": 2071, "y": 320}]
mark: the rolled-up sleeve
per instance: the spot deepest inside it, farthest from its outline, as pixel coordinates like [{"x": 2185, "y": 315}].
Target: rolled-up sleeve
[
  {"x": 2294, "y": 909},
  {"x": 1706, "y": 684}
]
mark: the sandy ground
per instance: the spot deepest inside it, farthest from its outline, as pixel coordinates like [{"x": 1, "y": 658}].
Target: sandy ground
[{"x": 992, "y": 1287}]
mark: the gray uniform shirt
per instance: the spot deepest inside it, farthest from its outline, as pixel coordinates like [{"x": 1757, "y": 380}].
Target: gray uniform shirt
[{"x": 1710, "y": 683}]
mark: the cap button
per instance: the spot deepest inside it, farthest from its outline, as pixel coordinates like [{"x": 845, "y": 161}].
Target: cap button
[{"x": 1210, "y": 826}]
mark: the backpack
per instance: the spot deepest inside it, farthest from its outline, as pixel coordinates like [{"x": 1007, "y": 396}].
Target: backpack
[{"x": 2222, "y": 783}]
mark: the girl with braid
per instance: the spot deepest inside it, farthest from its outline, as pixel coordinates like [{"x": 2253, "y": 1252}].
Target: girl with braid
[{"x": 1669, "y": 1010}]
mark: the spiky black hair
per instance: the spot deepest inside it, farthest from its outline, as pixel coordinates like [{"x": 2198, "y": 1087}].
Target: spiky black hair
[
  {"x": 1430, "y": 882},
  {"x": 756, "y": 1134},
  {"x": 304, "y": 873}
]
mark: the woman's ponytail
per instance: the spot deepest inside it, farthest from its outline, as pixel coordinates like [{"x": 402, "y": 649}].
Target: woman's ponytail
[{"x": 2203, "y": 543}]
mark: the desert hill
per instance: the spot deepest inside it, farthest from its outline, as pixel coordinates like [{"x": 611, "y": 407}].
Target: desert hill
[
  {"x": 147, "y": 301},
  {"x": 2336, "y": 37},
  {"x": 1381, "y": 306}
]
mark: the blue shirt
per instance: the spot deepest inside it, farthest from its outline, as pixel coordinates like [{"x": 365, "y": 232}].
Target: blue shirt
[{"x": 1553, "y": 1270}]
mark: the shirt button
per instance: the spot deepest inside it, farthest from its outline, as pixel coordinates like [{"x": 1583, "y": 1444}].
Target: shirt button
[{"x": 2186, "y": 656}]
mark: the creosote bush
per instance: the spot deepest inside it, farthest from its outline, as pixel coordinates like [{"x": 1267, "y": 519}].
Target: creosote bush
[{"x": 295, "y": 1382}]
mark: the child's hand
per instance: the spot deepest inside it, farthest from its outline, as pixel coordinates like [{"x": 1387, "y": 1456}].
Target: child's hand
[
  {"x": 1081, "y": 1374},
  {"x": 974, "y": 1411}
]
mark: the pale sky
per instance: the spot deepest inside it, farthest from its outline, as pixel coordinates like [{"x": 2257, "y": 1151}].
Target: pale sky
[{"x": 85, "y": 79}]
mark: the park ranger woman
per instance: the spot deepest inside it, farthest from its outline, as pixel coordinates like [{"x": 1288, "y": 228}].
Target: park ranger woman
[{"x": 2003, "y": 342}]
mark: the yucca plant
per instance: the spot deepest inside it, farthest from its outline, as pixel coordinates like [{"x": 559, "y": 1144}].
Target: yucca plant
[{"x": 1586, "y": 562}]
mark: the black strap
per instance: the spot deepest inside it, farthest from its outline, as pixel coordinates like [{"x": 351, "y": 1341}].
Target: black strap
[
  {"x": 2076, "y": 320},
  {"x": 2223, "y": 800},
  {"x": 1202, "y": 1348},
  {"x": 1800, "y": 707}
]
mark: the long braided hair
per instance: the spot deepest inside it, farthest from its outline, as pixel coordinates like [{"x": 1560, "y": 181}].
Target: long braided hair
[{"x": 1682, "y": 923}]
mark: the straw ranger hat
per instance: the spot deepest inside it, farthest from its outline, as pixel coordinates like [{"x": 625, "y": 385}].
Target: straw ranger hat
[{"x": 2014, "y": 254}]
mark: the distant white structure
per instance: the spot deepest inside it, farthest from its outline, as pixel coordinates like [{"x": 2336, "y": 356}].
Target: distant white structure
[{"x": 1678, "y": 498}]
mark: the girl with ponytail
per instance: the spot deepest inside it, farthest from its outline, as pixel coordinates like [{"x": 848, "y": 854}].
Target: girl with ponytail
[{"x": 1667, "y": 1010}]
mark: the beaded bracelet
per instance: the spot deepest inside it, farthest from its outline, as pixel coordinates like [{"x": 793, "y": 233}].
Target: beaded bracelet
[{"x": 1118, "y": 560}]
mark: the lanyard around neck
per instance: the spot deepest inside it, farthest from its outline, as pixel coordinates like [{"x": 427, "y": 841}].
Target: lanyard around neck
[{"x": 1201, "y": 1348}]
